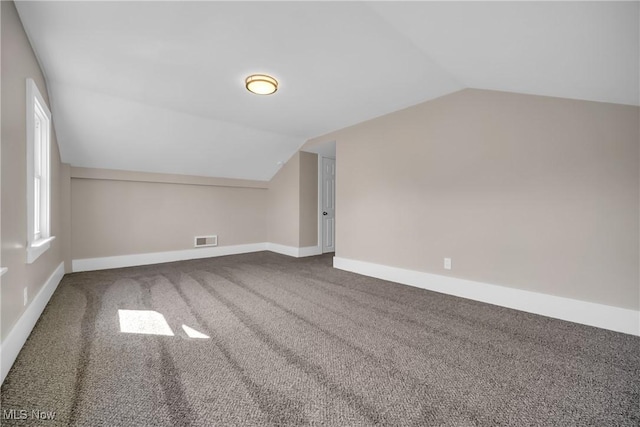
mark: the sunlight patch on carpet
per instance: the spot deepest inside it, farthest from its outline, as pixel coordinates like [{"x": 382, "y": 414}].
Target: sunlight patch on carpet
[
  {"x": 192, "y": 333},
  {"x": 143, "y": 322}
]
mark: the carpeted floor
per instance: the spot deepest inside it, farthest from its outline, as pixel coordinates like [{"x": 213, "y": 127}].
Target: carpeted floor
[{"x": 284, "y": 341}]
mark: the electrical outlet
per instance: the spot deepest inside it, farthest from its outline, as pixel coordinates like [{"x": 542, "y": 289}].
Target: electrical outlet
[
  {"x": 26, "y": 296},
  {"x": 447, "y": 263}
]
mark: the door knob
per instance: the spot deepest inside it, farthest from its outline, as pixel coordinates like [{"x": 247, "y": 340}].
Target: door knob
[{"x": 324, "y": 213}]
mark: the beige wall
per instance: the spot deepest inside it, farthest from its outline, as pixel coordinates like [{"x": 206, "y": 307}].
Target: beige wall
[
  {"x": 120, "y": 213},
  {"x": 292, "y": 214},
  {"x": 308, "y": 200},
  {"x": 65, "y": 201},
  {"x": 529, "y": 192},
  {"x": 18, "y": 64},
  {"x": 283, "y": 211}
]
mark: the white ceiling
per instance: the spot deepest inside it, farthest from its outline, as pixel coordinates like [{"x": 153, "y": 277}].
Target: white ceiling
[{"x": 158, "y": 86}]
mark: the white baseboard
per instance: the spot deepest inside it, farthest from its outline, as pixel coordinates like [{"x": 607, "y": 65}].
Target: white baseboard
[
  {"x": 13, "y": 343},
  {"x": 103, "y": 263},
  {"x": 586, "y": 313},
  {"x": 293, "y": 251},
  {"x": 282, "y": 249},
  {"x": 309, "y": 251}
]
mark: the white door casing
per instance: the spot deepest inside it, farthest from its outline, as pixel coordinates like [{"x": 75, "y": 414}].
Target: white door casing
[{"x": 328, "y": 205}]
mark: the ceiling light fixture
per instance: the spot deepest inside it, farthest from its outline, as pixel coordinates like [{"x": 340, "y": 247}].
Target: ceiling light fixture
[{"x": 261, "y": 84}]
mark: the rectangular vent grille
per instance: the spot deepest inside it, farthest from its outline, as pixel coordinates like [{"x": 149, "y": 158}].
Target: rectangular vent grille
[{"x": 202, "y": 241}]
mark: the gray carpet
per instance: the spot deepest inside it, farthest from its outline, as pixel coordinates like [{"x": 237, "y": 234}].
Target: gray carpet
[{"x": 294, "y": 342}]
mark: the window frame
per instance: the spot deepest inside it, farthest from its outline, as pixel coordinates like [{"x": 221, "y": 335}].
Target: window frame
[{"x": 38, "y": 178}]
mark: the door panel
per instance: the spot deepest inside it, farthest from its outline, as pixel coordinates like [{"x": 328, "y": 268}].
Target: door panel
[{"x": 328, "y": 204}]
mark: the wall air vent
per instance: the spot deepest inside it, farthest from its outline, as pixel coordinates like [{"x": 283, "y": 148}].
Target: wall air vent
[{"x": 202, "y": 241}]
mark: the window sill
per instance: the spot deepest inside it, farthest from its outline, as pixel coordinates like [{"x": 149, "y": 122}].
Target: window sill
[{"x": 37, "y": 248}]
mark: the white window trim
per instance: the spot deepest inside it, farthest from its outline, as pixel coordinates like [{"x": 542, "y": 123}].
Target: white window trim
[{"x": 35, "y": 248}]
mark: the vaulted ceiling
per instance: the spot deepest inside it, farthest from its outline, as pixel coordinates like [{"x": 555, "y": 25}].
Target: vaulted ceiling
[{"x": 159, "y": 86}]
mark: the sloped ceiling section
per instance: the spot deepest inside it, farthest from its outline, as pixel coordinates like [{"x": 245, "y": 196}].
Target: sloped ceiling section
[
  {"x": 580, "y": 50},
  {"x": 158, "y": 86}
]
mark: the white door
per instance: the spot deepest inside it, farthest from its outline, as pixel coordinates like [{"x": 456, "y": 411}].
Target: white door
[{"x": 328, "y": 204}]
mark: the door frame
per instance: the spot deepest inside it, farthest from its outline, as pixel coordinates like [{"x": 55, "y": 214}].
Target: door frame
[{"x": 320, "y": 188}]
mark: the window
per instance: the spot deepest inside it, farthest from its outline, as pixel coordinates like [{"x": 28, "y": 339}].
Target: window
[{"x": 38, "y": 177}]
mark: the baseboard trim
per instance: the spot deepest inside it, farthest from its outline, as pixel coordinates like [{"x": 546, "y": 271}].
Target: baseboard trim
[
  {"x": 586, "y": 313},
  {"x": 309, "y": 251},
  {"x": 12, "y": 345},
  {"x": 104, "y": 263},
  {"x": 293, "y": 251},
  {"x": 282, "y": 249}
]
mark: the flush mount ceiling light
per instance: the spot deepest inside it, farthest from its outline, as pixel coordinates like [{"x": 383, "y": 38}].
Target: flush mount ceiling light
[{"x": 261, "y": 84}]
